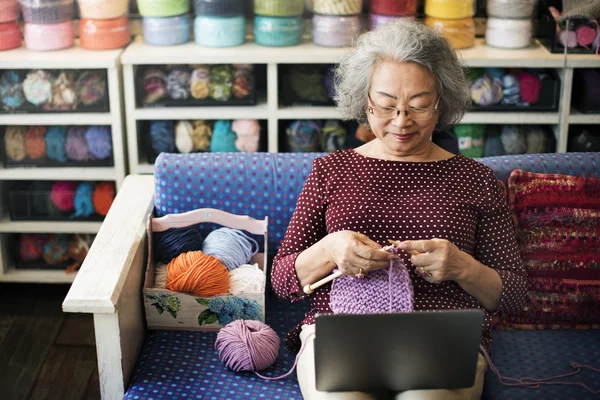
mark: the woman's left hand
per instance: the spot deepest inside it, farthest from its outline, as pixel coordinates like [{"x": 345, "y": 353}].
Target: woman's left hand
[{"x": 440, "y": 260}]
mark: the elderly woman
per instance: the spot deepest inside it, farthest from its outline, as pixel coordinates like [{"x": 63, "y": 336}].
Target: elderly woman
[{"x": 404, "y": 81}]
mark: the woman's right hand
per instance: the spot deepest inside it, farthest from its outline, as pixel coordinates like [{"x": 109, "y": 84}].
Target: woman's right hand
[{"x": 350, "y": 251}]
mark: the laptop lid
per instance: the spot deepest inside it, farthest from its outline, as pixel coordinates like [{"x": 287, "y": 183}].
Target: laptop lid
[{"x": 397, "y": 352}]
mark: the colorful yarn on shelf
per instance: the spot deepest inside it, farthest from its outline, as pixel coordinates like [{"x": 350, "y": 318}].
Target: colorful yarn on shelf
[
  {"x": 84, "y": 207},
  {"x": 231, "y": 246},
  {"x": 223, "y": 139},
  {"x": 38, "y": 87},
  {"x": 91, "y": 87},
  {"x": 162, "y": 136},
  {"x": 221, "y": 82},
  {"x": 530, "y": 87},
  {"x": 64, "y": 94},
  {"x": 333, "y": 136},
  {"x": 31, "y": 246},
  {"x": 171, "y": 243},
  {"x": 35, "y": 142},
  {"x": 63, "y": 195},
  {"x": 536, "y": 139},
  {"x": 99, "y": 142},
  {"x": 486, "y": 90},
  {"x": 513, "y": 140},
  {"x": 56, "y": 250},
  {"x": 568, "y": 39},
  {"x": 248, "y": 134},
  {"x": 76, "y": 145},
  {"x": 197, "y": 273},
  {"x": 183, "y": 137},
  {"x": 242, "y": 83},
  {"x": 178, "y": 83},
  {"x": 585, "y": 35},
  {"x": 199, "y": 82},
  {"x": 304, "y": 136},
  {"x": 201, "y": 135},
  {"x": 14, "y": 143},
  {"x": 11, "y": 91},
  {"x": 155, "y": 85},
  {"x": 77, "y": 250},
  {"x": 103, "y": 197},
  {"x": 511, "y": 90},
  {"x": 56, "y": 138}
]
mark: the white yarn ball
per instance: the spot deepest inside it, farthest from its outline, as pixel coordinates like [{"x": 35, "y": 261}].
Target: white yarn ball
[{"x": 246, "y": 279}]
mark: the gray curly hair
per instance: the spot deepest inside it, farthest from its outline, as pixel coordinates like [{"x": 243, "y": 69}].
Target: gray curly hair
[{"x": 402, "y": 40}]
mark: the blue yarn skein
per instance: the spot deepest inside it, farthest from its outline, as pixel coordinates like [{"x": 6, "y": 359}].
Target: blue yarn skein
[
  {"x": 99, "y": 143},
  {"x": 84, "y": 207},
  {"x": 162, "y": 136},
  {"x": 173, "y": 242},
  {"x": 11, "y": 90},
  {"x": 223, "y": 139},
  {"x": 231, "y": 246},
  {"x": 56, "y": 139}
]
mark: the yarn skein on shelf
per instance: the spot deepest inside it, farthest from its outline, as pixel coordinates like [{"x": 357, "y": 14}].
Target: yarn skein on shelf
[
  {"x": 197, "y": 273},
  {"x": 35, "y": 142},
  {"x": 76, "y": 146},
  {"x": 63, "y": 195},
  {"x": 231, "y": 246},
  {"x": 31, "y": 246},
  {"x": 175, "y": 241},
  {"x": 11, "y": 91},
  {"x": 201, "y": 135},
  {"x": 104, "y": 194},
  {"x": 248, "y": 133},
  {"x": 223, "y": 139},
  {"x": 14, "y": 143},
  {"x": 183, "y": 137},
  {"x": 99, "y": 142},
  {"x": 38, "y": 87},
  {"x": 56, "y": 250},
  {"x": 84, "y": 207},
  {"x": 56, "y": 137},
  {"x": 162, "y": 136}
]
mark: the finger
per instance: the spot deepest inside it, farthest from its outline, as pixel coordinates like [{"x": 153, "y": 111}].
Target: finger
[
  {"x": 370, "y": 253},
  {"x": 423, "y": 246},
  {"x": 421, "y": 260},
  {"x": 368, "y": 241}
]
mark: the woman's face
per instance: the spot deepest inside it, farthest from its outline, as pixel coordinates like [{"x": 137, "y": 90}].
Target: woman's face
[{"x": 402, "y": 85}]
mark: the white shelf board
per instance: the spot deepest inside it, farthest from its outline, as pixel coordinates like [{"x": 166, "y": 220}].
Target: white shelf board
[
  {"x": 56, "y": 118},
  {"x": 37, "y": 275},
  {"x": 307, "y": 112},
  {"x": 7, "y": 225},
  {"x": 72, "y": 58},
  {"x": 259, "y": 111},
  {"x": 579, "y": 118},
  {"x": 534, "y": 56},
  {"x": 67, "y": 173},
  {"x": 145, "y": 168},
  {"x": 511, "y": 118}
]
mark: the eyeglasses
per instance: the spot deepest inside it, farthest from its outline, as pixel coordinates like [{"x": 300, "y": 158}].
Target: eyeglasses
[{"x": 414, "y": 113}]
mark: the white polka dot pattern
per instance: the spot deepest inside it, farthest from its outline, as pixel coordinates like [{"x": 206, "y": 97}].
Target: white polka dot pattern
[{"x": 457, "y": 199}]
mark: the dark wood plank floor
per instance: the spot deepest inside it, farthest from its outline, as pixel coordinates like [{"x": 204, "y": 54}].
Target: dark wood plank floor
[{"x": 45, "y": 354}]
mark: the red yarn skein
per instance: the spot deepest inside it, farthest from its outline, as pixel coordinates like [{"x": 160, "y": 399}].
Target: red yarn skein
[{"x": 394, "y": 7}]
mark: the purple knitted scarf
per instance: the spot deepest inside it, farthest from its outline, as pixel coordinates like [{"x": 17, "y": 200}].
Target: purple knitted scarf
[{"x": 383, "y": 291}]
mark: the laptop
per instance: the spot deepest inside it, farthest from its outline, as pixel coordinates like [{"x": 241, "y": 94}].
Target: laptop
[{"x": 397, "y": 352}]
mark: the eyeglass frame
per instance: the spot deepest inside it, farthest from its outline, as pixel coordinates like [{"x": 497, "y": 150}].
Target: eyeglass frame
[{"x": 371, "y": 109}]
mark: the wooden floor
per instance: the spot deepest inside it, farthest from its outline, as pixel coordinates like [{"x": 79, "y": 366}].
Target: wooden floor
[{"x": 45, "y": 354}]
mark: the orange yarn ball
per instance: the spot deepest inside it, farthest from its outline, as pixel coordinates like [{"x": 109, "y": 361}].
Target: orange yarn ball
[
  {"x": 35, "y": 142},
  {"x": 197, "y": 273},
  {"x": 103, "y": 197}
]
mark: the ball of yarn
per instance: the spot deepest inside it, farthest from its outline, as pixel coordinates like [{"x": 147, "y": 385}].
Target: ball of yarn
[
  {"x": 56, "y": 138},
  {"x": 173, "y": 242},
  {"x": 78, "y": 248},
  {"x": 82, "y": 202},
  {"x": 246, "y": 279},
  {"x": 197, "y": 273},
  {"x": 76, "y": 145},
  {"x": 247, "y": 345},
  {"x": 536, "y": 139},
  {"x": 201, "y": 136},
  {"x": 248, "y": 133},
  {"x": 11, "y": 91},
  {"x": 155, "y": 85},
  {"x": 199, "y": 82},
  {"x": 511, "y": 89},
  {"x": 530, "y": 87},
  {"x": 178, "y": 83},
  {"x": 386, "y": 290},
  {"x": 64, "y": 94},
  {"x": 91, "y": 87},
  {"x": 242, "y": 83},
  {"x": 35, "y": 142},
  {"x": 493, "y": 145},
  {"x": 31, "y": 246},
  {"x": 585, "y": 35},
  {"x": 183, "y": 137},
  {"x": 38, "y": 87},
  {"x": 160, "y": 276},
  {"x": 223, "y": 139},
  {"x": 39, "y": 195},
  {"x": 231, "y": 246},
  {"x": 333, "y": 136},
  {"x": 568, "y": 39},
  {"x": 99, "y": 142},
  {"x": 162, "y": 136},
  {"x": 63, "y": 195},
  {"x": 103, "y": 197},
  {"x": 221, "y": 82},
  {"x": 56, "y": 250},
  {"x": 486, "y": 90},
  {"x": 14, "y": 143},
  {"x": 513, "y": 140},
  {"x": 304, "y": 136}
]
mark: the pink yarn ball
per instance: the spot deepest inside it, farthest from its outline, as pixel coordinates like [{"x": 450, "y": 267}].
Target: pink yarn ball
[
  {"x": 585, "y": 35},
  {"x": 247, "y": 345},
  {"x": 63, "y": 195},
  {"x": 248, "y": 133},
  {"x": 568, "y": 39}
]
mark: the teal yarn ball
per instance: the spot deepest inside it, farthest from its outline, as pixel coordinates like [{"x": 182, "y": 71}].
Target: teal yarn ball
[
  {"x": 224, "y": 138},
  {"x": 56, "y": 140}
]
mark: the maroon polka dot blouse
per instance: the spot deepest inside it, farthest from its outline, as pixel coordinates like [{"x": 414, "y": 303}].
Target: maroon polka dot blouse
[{"x": 457, "y": 199}]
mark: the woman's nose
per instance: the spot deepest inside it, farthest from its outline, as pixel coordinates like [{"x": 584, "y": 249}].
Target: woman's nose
[{"x": 402, "y": 120}]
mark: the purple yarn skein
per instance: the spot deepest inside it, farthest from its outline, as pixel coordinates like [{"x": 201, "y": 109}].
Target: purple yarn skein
[
  {"x": 76, "y": 147},
  {"x": 99, "y": 142}
]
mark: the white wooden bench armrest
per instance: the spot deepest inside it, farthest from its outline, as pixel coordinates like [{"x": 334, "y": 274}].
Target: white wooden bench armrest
[{"x": 109, "y": 285}]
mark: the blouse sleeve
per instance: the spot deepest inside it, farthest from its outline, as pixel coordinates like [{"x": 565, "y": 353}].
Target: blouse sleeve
[
  {"x": 497, "y": 248},
  {"x": 306, "y": 227}
]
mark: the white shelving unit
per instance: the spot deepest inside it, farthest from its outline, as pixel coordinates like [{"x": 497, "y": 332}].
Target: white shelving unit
[
  {"x": 139, "y": 53},
  {"x": 73, "y": 58}
]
